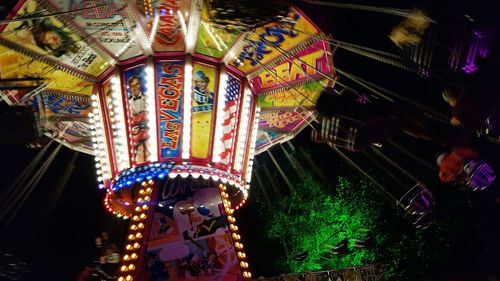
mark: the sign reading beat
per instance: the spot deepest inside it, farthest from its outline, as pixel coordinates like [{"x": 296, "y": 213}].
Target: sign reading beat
[
  {"x": 302, "y": 68},
  {"x": 170, "y": 82}
]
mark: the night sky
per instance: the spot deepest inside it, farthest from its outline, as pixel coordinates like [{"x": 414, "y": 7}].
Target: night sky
[{"x": 57, "y": 238}]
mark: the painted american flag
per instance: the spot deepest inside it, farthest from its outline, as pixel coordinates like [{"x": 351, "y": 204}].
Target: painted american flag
[{"x": 229, "y": 117}]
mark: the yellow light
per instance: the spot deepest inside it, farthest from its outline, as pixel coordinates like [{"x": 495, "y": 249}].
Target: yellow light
[
  {"x": 126, "y": 257},
  {"x": 131, "y": 267},
  {"x": 150, "y": 182},
  {"x": 143, "y": 216},
  {"x": 123, "y": 268},
  {"x": 147, "y": 198},
  {"x": 137, "y": 209},
  {"x": 231, "y": 219},
  {"x": 136, "y": 245},
  {"x": 244, "y": 264},
  {"x": 145, "y": 207},
  {"x": 141, "y": 191},
  {"x": 236, "y": 236},
  {"x": 141, "y": 225},
  {"x": 139, "y": 199},
  {"x": 120, "y": 279},
  {"x": 133, "y": 256},
  {"x": 241, "y": 255},
  {"x": 143, "y": 183},
  {"x": 233, "y": 227},
  {"x": 138, "y": 235},
  {"x": 128, "y": 247},
  {"x": 149, "y": 189},
  {"x": 128, "y": 278},
  {"x": 135, "y": 218},
  {"x": 133, "y": 227},
  {"x": 131, "y": 237}
]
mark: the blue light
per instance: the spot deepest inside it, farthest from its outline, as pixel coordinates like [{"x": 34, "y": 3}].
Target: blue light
[{"x": 129, "y": 177}]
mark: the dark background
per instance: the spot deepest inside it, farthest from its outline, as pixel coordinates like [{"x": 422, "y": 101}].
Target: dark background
[{"x": 57, "y": 243}]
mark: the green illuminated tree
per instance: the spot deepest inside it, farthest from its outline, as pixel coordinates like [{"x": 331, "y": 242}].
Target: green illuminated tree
[
  {"x": 314, "y": 220},
  {"x": 317, "y": 218}
]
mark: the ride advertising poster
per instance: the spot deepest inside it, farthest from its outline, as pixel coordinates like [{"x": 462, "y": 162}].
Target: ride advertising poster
[
  {"x": 269, "y": 41},
  {"x": 213, "y": 41},
  {"x": 285, "y": 120},
  {"x": 137, "y": 117},
  {"x": 65, "y": 117},
  {"x": 311, "y": 63},
  {"x": 49, "y": 36},
  {"x": 189, "y": 239},
  {"x": 16, "y": 65},
  {"x": 169, "y": 88},
  {"x": 173, "y": 18},
  {"x": 107, "y": 21},
  {"x": 204, "y": 85},
  {"x": 267, "y": 138},
  {"x": 304, "y": 95}
]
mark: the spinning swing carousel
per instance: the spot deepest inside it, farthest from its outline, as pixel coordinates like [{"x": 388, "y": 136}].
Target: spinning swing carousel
[{"x": 173, "y": 106}]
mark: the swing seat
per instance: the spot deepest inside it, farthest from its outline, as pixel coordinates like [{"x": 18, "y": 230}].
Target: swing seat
[
  {"x": 418, "y": 200},
  {"x": 478, "y": 174}
]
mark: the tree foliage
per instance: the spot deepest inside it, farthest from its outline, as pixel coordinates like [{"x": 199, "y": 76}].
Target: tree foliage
[{"x": 317, "y": 218}]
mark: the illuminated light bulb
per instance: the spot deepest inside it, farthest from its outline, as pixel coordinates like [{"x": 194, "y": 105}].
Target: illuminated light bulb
[
  {"x": 139, "y": 199},
  {"x": 149, "y": 189},
  {"x": 143, "y": 216},
  {"x": 131, "y": 237},
  {"x": 141, "y": 191},
  {"x": 128, "y": 247},
  {"x": 231, "y": 219},
  {"x": 150, "y": 182},
  {"x": 138, "y": 235},
  {"x": 129, "y": 278},
  {"x": 137, "y": 209},
  {"x": 123, "y": 268},
  {"x": 145, "y": 207},
  {"x": 133, "y": 256},
  {"x": 141, "y": 225},
  {"x": 121, "y": 279},
  {"x": 136, "y": 245},
  {"x": 126, "y": 257},
  {"x": 133, "y": 227},
  {"x": 143, "y": 183},
  {"x": 146, "y": 198},
  {"x": 135, "y": 218},
  {"x": 131, "y": 267}
]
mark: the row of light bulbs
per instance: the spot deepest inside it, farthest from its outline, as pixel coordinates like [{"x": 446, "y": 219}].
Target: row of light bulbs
[
  {"x": 234, "y": 232},
  {"x": 218, "y": 143},
  {"x": 117, "y": 119},
  {"x": 136, "y": 232},
  {"x": 242, "y": 131},
  {"x": 109, "y": 206},
  {"x": 99, "y": 141},
  {"x": 253, "y": 140}
]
